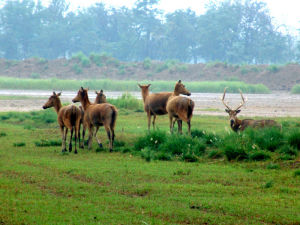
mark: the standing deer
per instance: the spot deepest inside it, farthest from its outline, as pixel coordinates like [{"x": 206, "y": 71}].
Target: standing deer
[
  {"x": 155, "y": 104},
  {"x": 240, "y": 125},
  {"x": 68, "y": 117},
  {"x": 96, "y": 115},
  {"x": 180, "y": 108}
]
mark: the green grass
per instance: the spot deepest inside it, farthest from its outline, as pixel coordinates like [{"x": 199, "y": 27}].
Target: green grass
[
  {"x": 39, "y": 185},
  {"x": 115, "y": 85}
]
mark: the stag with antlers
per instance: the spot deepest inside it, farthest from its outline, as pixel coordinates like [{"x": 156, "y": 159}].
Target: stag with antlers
[{"x": 240, "y": 125}]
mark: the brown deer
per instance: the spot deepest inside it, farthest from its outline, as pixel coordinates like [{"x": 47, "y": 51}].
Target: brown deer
[
  {"x": 68, "y": 117},
  {"x": 100, "y": 97},
  {"x": 181, "y": 108},
  {"x": 240, "y": 125},
  {"x": 96, "y": 115},
  {"x": 155, "y": 104}
]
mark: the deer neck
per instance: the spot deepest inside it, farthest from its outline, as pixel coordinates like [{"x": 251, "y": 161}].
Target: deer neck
[
  {"x": 85, "y": 102},
  {"x": 57, "y": 105},
  {"x": 175, "y": 93},
  {"x": 145, "y": 94},
  {"x": 237, "y": 125}
]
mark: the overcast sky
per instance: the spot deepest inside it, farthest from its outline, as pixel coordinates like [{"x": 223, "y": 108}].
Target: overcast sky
[{"x": 284, "y": 11}]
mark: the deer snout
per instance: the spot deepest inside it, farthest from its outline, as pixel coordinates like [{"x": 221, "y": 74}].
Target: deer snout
[
  {"x": 74, "y": 100},
  {"x": 189, "y": 94},
  {"x": 44, "y": 107}
]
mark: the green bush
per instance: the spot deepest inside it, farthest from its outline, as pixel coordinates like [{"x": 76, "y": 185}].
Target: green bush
[
  {"x": 234, "y": 147},
  {"x": 147, "y": 63},
  {"x": 297, "y": 173},
  {"x": 289, "y": 150},
  {"x": 273, "y": 166},
  {"x": 47, "y": 143},
  {"x": 127, "y": 101},
  {"x": 151, "y": 140},
  {"x": 97, "y": 59},
  {"x": 259, "y": 155},
  {"x": 215, "y": 154},
  {"x": 19, "y": 144},
  {"x": 294, "y": 139},
  {"x": 2, "y": 134},
  {"x": 77, "y": 69},
  {"x": 273, "y": 68}
]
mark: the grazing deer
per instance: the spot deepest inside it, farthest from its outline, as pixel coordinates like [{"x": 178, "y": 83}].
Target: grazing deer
[
  {"x": 155, "y": 104},
  {"x": 240, "y": 125},
  {"x": 181, "y": 108},
  {"x": 68, "y": 117},
  {"x": 100, "y": 97},
  {"x": 96, "y": 115}
]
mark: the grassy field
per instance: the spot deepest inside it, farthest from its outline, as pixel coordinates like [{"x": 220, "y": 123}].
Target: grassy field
[
  {"x": 40, "y": 185},
  {"x": 115, "y": 85}
]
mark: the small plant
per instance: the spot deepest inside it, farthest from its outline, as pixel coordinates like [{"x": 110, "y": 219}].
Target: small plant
[
  {"x": 3, "y": 134},
  {"x": 215, "y": 154},
  {"x": 268, "y": 184},
  {"x": 35, "y": 76},
  {"x": 151, "y": 140},
  {"x": 47, "y": 143},
  {"x": 294, "y": 139},
  {"x": 77, "y": 69},
  {"x": 289, "y": 150},
  {"x": 297, "y": 173},
  {"x": 182, "y": 172},
  {"x": 273, "y": 166},
  {"x": 259, "y": 156},
  {"x": 147, "y": 63},
  {"x": 97, "y": 59},
  {"x": 19, "y": 144},
  {"x": 273, "y": 68}
]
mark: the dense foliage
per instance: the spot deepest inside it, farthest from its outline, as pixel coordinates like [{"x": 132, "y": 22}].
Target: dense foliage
[{"x": 231, "y": 31}]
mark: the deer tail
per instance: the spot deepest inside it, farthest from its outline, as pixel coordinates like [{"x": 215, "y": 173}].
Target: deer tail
[{"x": 190, "y": 110}]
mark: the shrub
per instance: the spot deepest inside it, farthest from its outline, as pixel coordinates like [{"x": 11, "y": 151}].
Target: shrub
[
  {"x": 147, "y": 63},
  {"x": 77, "y": 69},
  {"x": 85, "y": 62},
  {"x": 151, "y": 140},
  {"x": 294, "y": 139},
  {"x": 297, "y": 173},
  {"x": 259, "y": 156},
  {"x": 215, "y": 154},
  {"x": 35, "y": 76},
  {"x": 47, "y": 143},
  {"x": 268, "y": 184},
  {"x": 3, "y": 134},
  {"x": 19, "y": 144},
  {"x": 127, "y": 101},
  {"x": 273, "y": 68},
  {"x": 288, "y": 150},
  {"x": 273, "y": 166},
  {"x": 97, "y": 59},
  {"x": 234, "y": 147}
]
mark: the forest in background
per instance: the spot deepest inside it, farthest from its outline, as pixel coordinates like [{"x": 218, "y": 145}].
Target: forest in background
[{"x": 230, "y": 31}]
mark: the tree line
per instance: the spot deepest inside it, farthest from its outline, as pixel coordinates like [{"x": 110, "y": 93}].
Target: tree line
[{"x": 231, "y": 31}]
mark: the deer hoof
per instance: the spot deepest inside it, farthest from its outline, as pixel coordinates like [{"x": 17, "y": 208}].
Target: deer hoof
[
  {"x": 100, "y": 145},
  {"x": 75, "y": 152},
  {"x": 110, "y": 150}
]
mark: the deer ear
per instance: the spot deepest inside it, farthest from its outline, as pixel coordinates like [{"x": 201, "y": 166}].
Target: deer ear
[
  {"x": 101, "y": 91},
  {"x": 96, "y": 92},
  {"x": 237, "y": 111},
  {"x": 179, "y": 81},
  {"x": 58, "y": 94},
  {"x": 140, "y": 85},
  {"x": 81, "y": 89},
  {"x": 227, "y": 110},
  {"x": 148, "y": 85},
  {"x": 54, "y": 93}
]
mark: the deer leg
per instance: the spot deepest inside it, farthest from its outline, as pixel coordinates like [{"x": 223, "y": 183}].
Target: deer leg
[
  {"x": 153, "y": 122},
  {"x": 189, "y": 127},
  {"x": 179, "y": 126},
  {"x": 109, "y": 135},
  {"x": 98, "y": 140},
  {"x": 83, "y": 135},
  {"x": 70, "y": 144},
  {"x": 149, "y": 120},
  {"x": 63, "y": 144},
  {"x": 171, "y": 123},
  {"x": 91, "y": 130},
  {"x": 65, "y": 139},
  {"x": 77, "y": 134}
]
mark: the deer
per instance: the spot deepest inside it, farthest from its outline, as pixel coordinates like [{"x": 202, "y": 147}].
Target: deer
[
  {"x": 96, "y": 115},
  {"x": 240, "y": 125},
  {"x": 68, "y": 117},
  {"x": 155, "y": 103},
  {"x": 100, "y": 97},
  {"x": 181, "y": 108}
]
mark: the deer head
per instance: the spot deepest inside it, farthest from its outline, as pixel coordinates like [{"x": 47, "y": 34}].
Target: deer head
[
  {"x": 145, "y": 90},
  {"x": 100, "y": 97},
  {"x": 233, "y": 112},
  {"x": 52, "y": 101},
  {"x": 180, "y": 89},
  {"x": 81, "y": 94}
]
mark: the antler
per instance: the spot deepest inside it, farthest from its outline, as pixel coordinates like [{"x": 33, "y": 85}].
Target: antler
[
  {"x": 243, "y": 100},
  {"x": 224, "y": 98}
]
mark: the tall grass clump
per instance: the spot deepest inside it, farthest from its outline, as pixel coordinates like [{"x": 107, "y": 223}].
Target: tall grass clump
[
  {"x": 147, "y": 63},
  {"x": 127, "y": 101},
  {"x": 296, "y": 89},
  {"x": 294, "y": 139},
  {"x": 273, "y": 68}
]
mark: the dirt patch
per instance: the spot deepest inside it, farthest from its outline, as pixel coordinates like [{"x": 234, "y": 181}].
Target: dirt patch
[{"x": 274, "y": 77}]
